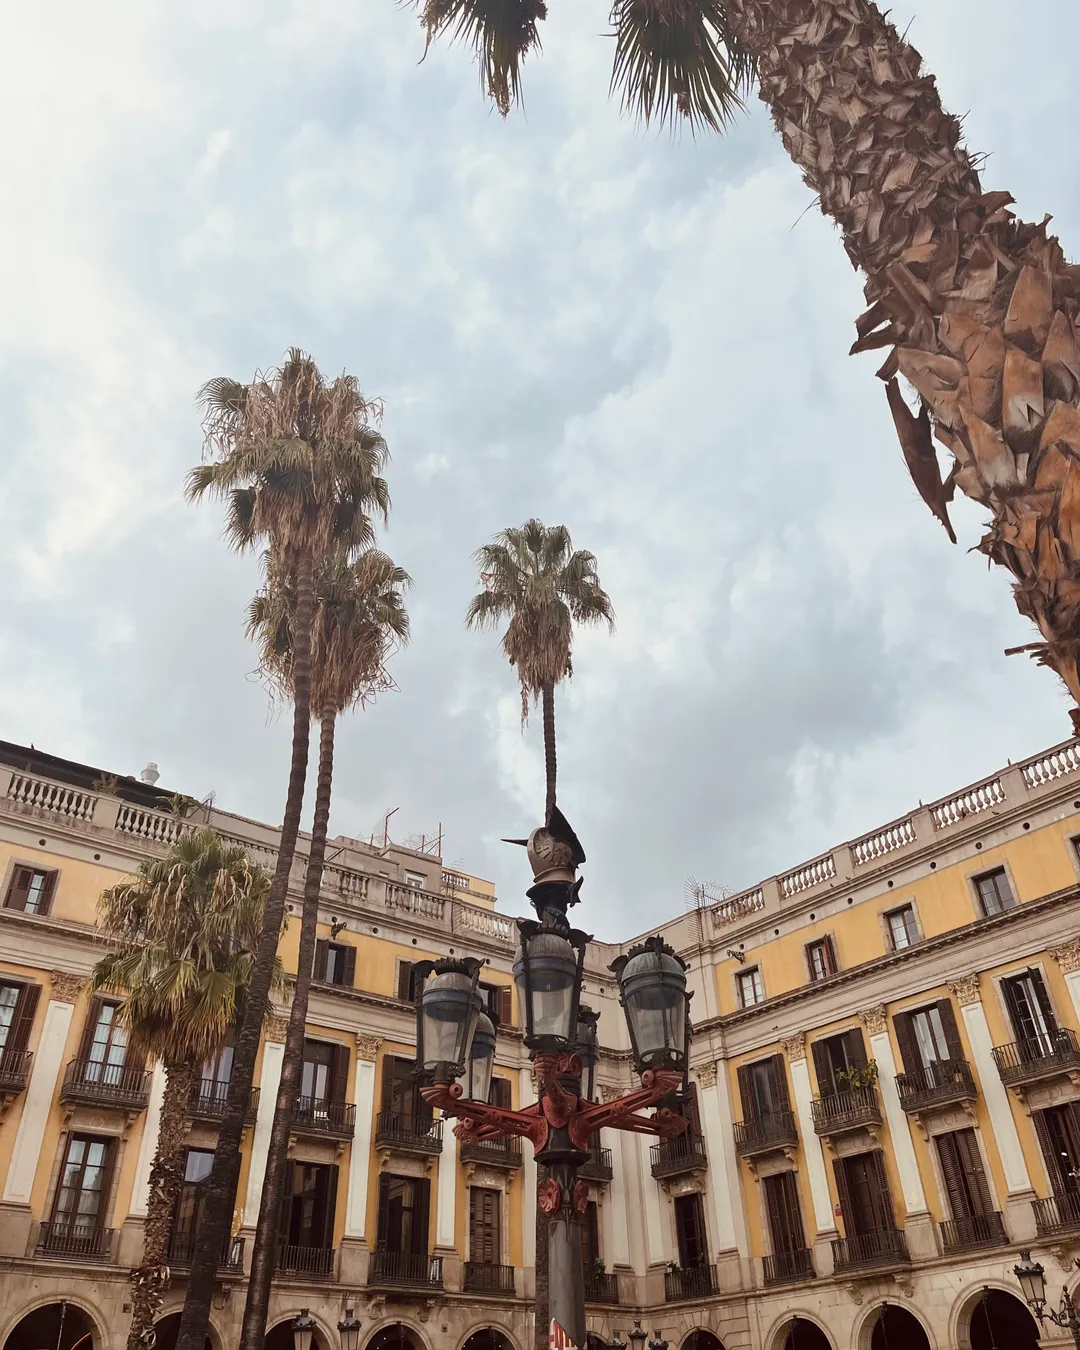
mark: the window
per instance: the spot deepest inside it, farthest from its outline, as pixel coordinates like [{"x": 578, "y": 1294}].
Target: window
[
  {"x": 324, "y": 1072},
  {"x": 187, "y": 1211},
  {"x": 485, "y": 1243},
  {"x": 590, "y": 1240},
  {"x": 308, "y": 1204},
  {"x": 835, "y": 1056},
  {"x": 335, "y": 963},
  {"x": 500, "y": 1093},
  {"x": 18, "y": 1004},
  {"x": 1030, "y": 1012},
  {"x": 903, "y": 930},
  {"x": 497, "y": 1001},
  {"x": 865, "y": 1204},
  {"x": 962, "y": 1171},
  {"x": 821, "y": 959},
  {"x": 690, "y": 1231},
  {"x": 416, "y": 880},
  {"x": 81, "y": 1196},
  {"x": 994, "y": 892},
  {"x": 31, "y": 890},
  {"x": 404, "y": 1204},
  {"x": 401, "y": 1092},
  {"x": 784, "y": 1213},
  {"x": 751, "y": 987},
  {"x": 404, "y": 980},
  {"x": 104, "y": 1045},
  {"x": 1058, "y": 1130},
  {"x": 763, "y": 1088},
  {"x": 928, "y": 1037}
]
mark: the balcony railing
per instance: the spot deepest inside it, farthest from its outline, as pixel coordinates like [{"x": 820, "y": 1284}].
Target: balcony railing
[
  {"x": 314, "y": 1263},
  {"x": 14, "y": 1071},
  {"x": 683, "y": 1153},
  {"x": 937, "y": 1084},
  {"x": 601, "y": 1287},
  {"x": 765, "y": 1134},
  {"x": 334, "y": 1120},
  {"x": 80, "y": 1239},
  {"x": 406, "y": 1269},
  {"x": 686, "y": 1282},
  {"x": 485, "y": 1279},
  {"x": 598, "y": 1167},
  {"x": 843, "y": 1111},
  {"x": 1057, "y": 1214},
  {"x": 91, "y": 1083},
  {"x": 787, "y": 1267},
  {"x": 181, "y": 1245},
  {"x": 492, "y": 1152},
  {"x": 884, "y": 1247},
  {"x": 1047, "y": 1056},
  {"x": 408, "y": 1134},
  {"x": 209, "y": 1097},
  {"x": 972, "y": 1231}
]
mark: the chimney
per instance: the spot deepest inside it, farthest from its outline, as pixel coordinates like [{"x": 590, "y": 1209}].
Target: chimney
[{"x": 150, "y": 774}]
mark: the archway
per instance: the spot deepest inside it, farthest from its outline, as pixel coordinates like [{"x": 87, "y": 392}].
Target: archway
[
  {"x": 168, "y": 1329},
  {"x": 488, "y": 1338},
  {"x": 700, "y": 1339},
  {"x": 281, "y": 1337},
  {"x": 397, "y": 1336},
  {"x": 999, "y": 1321},
  {"x": 802, "y": 1334},
  {"x": 60, "y": 1326},
  {"x": 897, "y": 1329}
]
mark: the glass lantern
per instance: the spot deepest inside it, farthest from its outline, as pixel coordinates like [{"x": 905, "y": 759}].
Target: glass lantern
[
  {"x": 481, "y": 1060},
  {"x": 547, "y": 969},
  {"x": 303, "y": 1329},
  {"x": 349, "y": 1330},
  {"x": 447, "y": 1010},
  {"x": 1032, "y": 1281},
  {"x": 652, "y": 991},
  {"x": 586, "y": 1048}
]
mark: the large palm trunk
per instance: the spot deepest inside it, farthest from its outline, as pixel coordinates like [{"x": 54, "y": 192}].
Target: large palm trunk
[
  {"x": 266, "y": 1233},
  {"x": 221, "y": 1184},
  {"x": 979, "y": 310},
  {"x": 150, "y": 1278},
  {"x": 551, "y": 764}
]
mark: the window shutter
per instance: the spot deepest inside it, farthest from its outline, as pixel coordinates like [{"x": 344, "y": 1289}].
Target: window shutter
[
  {"x": 777, "y": 1230},
  {"x": 288, "y": 1185},
  {"x": 19, "y": 888},
  {"x": 423, "y": 1211},
  {"x": 784, "y": 1214},
  {"x": 500, "y": 1093},
  {"x": 330, "y": 1175},
  {"x": 93, "y": 1013},
  {"x": 404, "y": 980},
  {"x": 746, "y": 1092},
  {"x": 349, "y": 975},
  {"x": 692, "y": 1110},
  {"x": 971, "y": 1166},
  {"x": 779, "y": 1075},
  {"x": 831, "y": 962},
  {"x": 47, "y": 893},
  {"x": 905, "y": 1039},
  {"x": 948, "y": 1025},
  {"x": 1051, "y": 1160},
  {"x": 22, "y": 1022},
  {"x": 388, "y": 1074},
  {"x": 823, "y": 1071},
  {"x": 106, "y": 1184},
  {"x": 504, "y": 1006},
  {"x": 339, "y": 1073},
  {"x": 1015, "y": 1008},
  {"x": 1044, "y": 1000},
  {"x": 322, "y": 952},
  {"x": 951, "y": 1172},
  {"x": 382, "y": 1222},
  {"x": 855, "y": 1048},
  {"x": 843, "y": 1194},
  {"x": 886, "y": 1217}
]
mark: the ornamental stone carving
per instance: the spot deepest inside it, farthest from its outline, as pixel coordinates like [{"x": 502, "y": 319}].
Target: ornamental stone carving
[
  {"x": 966, "y": 988},
  {"x": 794, "y": 1047},
  {"x": 66, "y": 988},
  {"x": 367, "y": 1047},
  {"x": 609, "y": 1092},
  {"x": 1067, "y": 955},
  {"x": 277, "y": 1028},
  {"x": 707, "y": 1075},
  {"x": 875, "y": 1020}
]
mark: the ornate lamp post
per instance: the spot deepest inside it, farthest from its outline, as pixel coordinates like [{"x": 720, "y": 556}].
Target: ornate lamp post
[
  {"x": 1033, "y": 1286},
  {"x": 349, "y": 1330},
  {"x": 561, "y": 1039},
  {"x": 303, "y": 1329}
]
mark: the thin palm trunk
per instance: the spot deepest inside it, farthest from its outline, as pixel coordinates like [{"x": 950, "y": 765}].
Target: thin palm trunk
[
  {"x": 266, "y": 1233},
  {"x": 550, "y": 762},
  {"x": 150, "y": 1278},
  {"x": 222, "y": 1182},
  {"x": 978, "y": 310}
]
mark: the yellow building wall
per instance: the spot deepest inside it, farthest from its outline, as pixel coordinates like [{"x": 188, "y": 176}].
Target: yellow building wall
[{"x": 79, "y": 884}]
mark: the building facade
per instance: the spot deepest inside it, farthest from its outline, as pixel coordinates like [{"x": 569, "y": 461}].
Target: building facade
[{"x": 885, "y": 1104}]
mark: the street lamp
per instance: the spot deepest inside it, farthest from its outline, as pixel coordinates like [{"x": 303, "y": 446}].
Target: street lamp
[
  {"x": 481, "y": 1060},
  {"x": 638, "y": 1336},
  {"x": 658, "y": 1342},
  {"x": 303, "y": 1329},
  {"x": 349, "y": 1330},
  {"x": 547, "y": 969},
  {"x": 1033, "y": 1286},
  {"x": 587, "y": 1050},
  {"x": 652, "y": 991},
  {"x": 448, "y": 1008}
]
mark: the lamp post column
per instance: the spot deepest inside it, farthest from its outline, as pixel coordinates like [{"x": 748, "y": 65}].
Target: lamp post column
[{"x": 562, "y": 1198}]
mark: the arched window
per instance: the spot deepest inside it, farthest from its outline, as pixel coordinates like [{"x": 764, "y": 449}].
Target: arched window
[
  {"x": 897, "y": 1329},
  {"x": 167, "y": 1330},
  {"x": 999, "y": 1321},
  {"x": 802, "y": 1334},
  {"x": 489, "y": 1338},
  {"x": 700, "y": 1339},
  {"x": 397, "y": 1336},
  {"x": 60, "y": 1326}
]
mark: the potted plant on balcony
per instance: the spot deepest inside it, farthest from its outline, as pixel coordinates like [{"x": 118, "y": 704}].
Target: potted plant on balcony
[{"x": 857, "y": 1076}]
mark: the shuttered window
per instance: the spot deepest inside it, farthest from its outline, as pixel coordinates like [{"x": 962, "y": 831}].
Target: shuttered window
[
  {"x": 498, "y": 1002},
  {"x": 104, "y": 1044},
  {"x": 31, "y": 890},
  {"x": 324, "y": 1073},
  {"x": 927, "y": 1036},
  {"x": 784, "y": 1213},
  {"x": 485, "y": 1243},
  {"x": 690, "y": 1231},
  {"x": 994, "y": 892},
  {"x": 821, "y": 959},
  {"x": 865, "y": 1203},
  {"x": 82, "y": 1195},
  {"x": 1030, "y": 1010},
  {"x": 590, "y": 1238},
  {"x": 903, "y": 930},
  {"x": 962, "y": 1169},
  {"x": 404, "y": 980},
  {"x": 18, "y": 1004},
  {"x": 1058, "y": 1131},
  {"x": 401, "y": 1091},
  {"x": 404, "y": 1207},
  {"x": 834, "y": 1055},
  {"x": 763, "y": 1088},
  {"x": 188, "y": 1207},
  {"x": 309, "y": 1204},
  {"x": 751, "y": 987},
  {"x": 335, "y": 963},
  {"x": 500, "y": 1093}
]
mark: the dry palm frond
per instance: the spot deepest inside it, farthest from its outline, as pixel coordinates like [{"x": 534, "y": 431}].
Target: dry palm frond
[{"x": 501, "y": 32}]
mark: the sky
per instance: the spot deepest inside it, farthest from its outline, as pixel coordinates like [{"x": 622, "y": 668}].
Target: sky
[{"x": 568, "y": 316}]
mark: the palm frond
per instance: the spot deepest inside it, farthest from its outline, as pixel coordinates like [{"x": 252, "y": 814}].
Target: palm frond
[{"x": 500, "y": 32}]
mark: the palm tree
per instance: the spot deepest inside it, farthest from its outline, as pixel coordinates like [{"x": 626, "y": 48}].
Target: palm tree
[
  {"x": 533, "y": 577},
  {"x": 185, "y": 929},
  {"x": 977, "y": 310},
  {"x": 297, "y": 460},
  {"x": 360, "y": 619}
]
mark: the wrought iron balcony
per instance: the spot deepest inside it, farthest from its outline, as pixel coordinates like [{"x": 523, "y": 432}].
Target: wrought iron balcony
[
  {"x": 90, "y": 1083},
  {"x": 841, "y": 1112},
  {"x": 939, "y": 1084},
  {"x": 326, "y": 1120},
  {"x": 14, "y": 1071},
  {"x": 884, "y": 1247},
  {"x": 973, "y": 1231},
  {"x": 313, "y": 1263},
  {"x": 601, "y": 1287},
  {"x": 405, "y": 1270},
  {"x": 484, "y": 1279},
  {"x": 181, "y": 1245},
  {"x": 1030, "y": 1061},
  {"x": 209, "y": 1097},
  {"x": 787, "y": 1267},
  {"x": 765, "y": 1134},
  {"x": 683, "y": 1153},
  {"x": 1057, "y": 1214},
  {"x": 74, "y": 1239},
  {"x": 408, "y": 1134},
  {"x": 492, "y": 1152},
  {"x": 598, "y": 1167},
  {"x": 687, "y": 1282}
]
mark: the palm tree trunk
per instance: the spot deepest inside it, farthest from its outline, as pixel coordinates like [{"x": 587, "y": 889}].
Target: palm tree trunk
[
  {"x": 550, "y": 762},
  {"x": 266, "y": 1232},
  {"x": 149, "y": 1280},
  {"x": 979, "y": 310},
  {"x": 221, "y": 1184}
]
